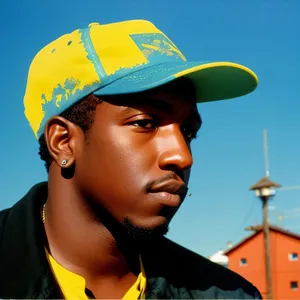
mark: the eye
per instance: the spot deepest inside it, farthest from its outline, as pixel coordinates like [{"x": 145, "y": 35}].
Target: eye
[
  {"x": 188, "y": 134},
  {"x": 145, "y": 123}
]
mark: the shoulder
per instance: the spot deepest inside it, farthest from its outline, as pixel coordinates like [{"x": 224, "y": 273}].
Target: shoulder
[
  {"x": 22, "y": 209},
  {"x": 185, "y": 268},
  {"x": 3, "y": 214}
]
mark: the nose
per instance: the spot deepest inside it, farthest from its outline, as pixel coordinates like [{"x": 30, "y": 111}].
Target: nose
[{"x": 175, "y": 153}]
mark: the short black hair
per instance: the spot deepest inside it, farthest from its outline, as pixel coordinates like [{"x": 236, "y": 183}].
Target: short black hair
[{"x": 81, "y": 114}]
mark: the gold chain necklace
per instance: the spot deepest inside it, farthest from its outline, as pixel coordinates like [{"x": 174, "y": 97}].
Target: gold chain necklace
[{"x": 43, "y": 213}]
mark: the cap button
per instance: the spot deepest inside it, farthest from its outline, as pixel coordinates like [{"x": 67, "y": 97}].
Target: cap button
[{"x": 94, "y": 23}]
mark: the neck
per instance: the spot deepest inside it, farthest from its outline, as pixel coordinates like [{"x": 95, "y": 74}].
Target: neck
[{"x": 77, "y": 238}]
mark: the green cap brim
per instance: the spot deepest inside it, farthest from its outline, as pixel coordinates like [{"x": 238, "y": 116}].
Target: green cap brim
[{"x": 213, "y": 81}]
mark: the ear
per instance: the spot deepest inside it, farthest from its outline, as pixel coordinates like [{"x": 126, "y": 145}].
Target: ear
[{"x": 61, "y": 137}]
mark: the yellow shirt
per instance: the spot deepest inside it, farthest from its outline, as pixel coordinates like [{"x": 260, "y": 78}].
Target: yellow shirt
[{"x": 73, "y": 285}]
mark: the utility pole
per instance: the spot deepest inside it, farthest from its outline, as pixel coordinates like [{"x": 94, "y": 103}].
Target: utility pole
[
  {"x": 267, "y": 243},
  {"x": 264, "y": 189},
  {"x": 267, "y": 169}
]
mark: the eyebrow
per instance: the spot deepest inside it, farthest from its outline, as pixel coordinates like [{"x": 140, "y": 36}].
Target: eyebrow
[{"x": 164, "y": 107}]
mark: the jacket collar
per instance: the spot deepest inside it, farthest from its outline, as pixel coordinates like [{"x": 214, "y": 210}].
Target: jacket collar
[{"x": 22, "y": 256}]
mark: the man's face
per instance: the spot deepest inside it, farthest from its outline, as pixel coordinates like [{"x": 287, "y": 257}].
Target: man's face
[{"x": 137, "y": 160}]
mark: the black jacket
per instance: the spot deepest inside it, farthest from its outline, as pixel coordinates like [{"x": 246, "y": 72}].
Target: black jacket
[{"x": 173, "y": 272}]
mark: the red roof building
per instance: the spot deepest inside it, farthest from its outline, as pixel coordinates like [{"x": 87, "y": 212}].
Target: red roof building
[{"x": 247, "y": 258}]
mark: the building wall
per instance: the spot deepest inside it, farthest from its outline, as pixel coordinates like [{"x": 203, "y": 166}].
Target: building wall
[
  {"x": 283, "y": 269},
  {"x": 254, "y": 271}
]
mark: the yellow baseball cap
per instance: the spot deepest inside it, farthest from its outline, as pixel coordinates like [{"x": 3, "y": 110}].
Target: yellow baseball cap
[{"x": 120, "y": 58}]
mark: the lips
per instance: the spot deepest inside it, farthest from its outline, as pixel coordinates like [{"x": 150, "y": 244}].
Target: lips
[{"x": 170, "y": 193}]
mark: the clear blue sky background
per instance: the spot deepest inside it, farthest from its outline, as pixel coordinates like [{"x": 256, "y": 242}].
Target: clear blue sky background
[{"x": 263, "y": 35}]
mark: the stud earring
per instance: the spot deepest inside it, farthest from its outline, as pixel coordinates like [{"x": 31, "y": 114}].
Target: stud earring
[{"x": 63, "y": 163}]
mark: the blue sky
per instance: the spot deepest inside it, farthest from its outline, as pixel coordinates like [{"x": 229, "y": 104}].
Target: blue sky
[{"x": 263, "y": 35}]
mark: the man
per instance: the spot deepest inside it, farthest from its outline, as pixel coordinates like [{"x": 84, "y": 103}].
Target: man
[{"x": 114, "y": 109}]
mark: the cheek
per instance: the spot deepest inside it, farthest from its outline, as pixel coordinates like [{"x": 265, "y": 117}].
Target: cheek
[
  {"x": 114, "y": 169},
  {"x": 119, "y": 154}
]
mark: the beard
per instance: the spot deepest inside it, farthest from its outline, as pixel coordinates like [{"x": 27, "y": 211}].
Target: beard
[
  {"x": 126, "y": 233},
  {"x": 136, "y": 233}
]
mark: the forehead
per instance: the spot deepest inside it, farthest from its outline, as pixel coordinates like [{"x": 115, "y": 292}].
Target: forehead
[
  {"x": 174, "y": 102},
  {"x": 181, "y": 86},
  {"x": 177, "y": 95}
]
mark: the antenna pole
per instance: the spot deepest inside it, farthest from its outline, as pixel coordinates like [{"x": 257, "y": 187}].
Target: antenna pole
[{"x": 266, "y": 153}]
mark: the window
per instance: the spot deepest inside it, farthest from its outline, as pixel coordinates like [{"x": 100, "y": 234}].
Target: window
[
  {"x": 293, "y": 256},
  {"x": 243, "y": 262},
  {"x": 294, "y": 285}
]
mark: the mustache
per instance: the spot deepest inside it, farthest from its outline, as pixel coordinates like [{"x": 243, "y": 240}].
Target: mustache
[{"x": 170, "y": 176}]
